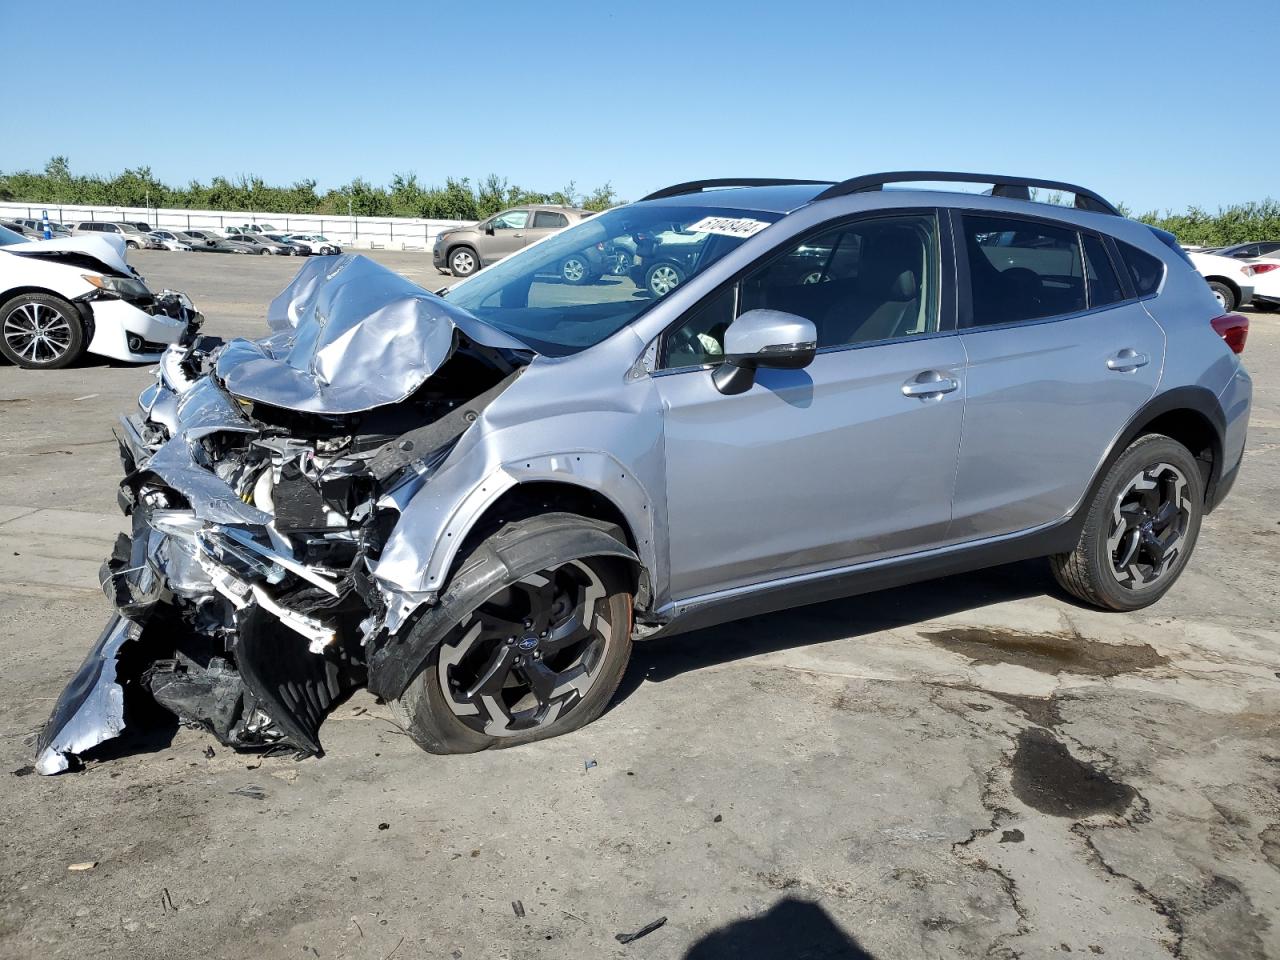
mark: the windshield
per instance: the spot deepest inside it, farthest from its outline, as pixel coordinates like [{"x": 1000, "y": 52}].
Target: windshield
[
  {"x": 585, "y": 283},
  {"x": 9, "y": 237}
]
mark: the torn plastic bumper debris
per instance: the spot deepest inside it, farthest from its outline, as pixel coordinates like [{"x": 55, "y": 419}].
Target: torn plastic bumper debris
[
  {"x": 262, "y": 479},
  {"x": 91, "y": 708}
]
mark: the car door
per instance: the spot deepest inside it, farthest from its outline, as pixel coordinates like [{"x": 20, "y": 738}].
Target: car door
[
  {"x": 509, "y": 235},
  {"x": 545, "y": 223},
  {"x": 1060, "y": 357},
  {"x": 850, "y": 459}
]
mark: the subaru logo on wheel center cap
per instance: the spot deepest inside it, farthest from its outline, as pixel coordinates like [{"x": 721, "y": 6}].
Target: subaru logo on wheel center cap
[{"x": 527, "y": 643}]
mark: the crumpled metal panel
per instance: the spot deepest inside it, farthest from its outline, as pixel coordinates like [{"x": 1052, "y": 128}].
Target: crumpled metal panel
[
  {"x": 349, "y": 335},
  {"x": 91, "y": 708}
]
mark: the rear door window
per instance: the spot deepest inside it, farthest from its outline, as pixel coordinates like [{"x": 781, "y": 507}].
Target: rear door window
[
  {"x": 1021, "y": 270},
  {"x": 549, "y": 219}
]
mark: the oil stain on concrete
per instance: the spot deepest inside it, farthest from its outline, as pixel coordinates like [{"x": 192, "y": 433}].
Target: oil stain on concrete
[
  {"x": 1047, "y": 652},
  {"x": 1046, "y": 777}
]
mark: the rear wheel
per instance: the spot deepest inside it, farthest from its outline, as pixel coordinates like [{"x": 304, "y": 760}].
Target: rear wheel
[
  {"x": 39, "y": 331},
  {"x": 1225, "y": 295},
  {"x": 1140, "y": 529},
  {"x": 541, "y": 657}
]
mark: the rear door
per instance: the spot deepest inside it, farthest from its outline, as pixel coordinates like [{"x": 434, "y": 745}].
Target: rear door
[
  {"x": 545, "y": 223},
  {"x": 1060, "y": 357}
]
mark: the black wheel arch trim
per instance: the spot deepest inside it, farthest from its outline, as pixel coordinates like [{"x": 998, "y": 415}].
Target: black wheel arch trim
[
  {"x": 516, "y": 551},
  {"x": 1200, "y": 400}
]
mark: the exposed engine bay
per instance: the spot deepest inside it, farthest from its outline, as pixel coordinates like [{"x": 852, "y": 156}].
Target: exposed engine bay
[{"x": 262, "y": 480}]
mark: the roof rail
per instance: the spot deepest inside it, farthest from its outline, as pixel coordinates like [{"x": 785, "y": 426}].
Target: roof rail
[
  {"x": 697, "y": 186},
  {"x": 1015, "y": 188}
]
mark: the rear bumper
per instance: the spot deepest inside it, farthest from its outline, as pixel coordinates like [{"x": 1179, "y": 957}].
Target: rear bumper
[{"x": 1236, "y": 401}]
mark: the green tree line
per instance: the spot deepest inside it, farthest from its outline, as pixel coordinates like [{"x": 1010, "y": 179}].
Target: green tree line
[
  {"x": 458, "y": 199},
  {"x": 1238, "y": 223}
]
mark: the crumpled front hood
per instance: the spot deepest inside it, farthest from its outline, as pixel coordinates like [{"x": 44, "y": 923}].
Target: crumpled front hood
[
  {"x": 108, "y": 250},
  {"x": 349, "y": 335}
]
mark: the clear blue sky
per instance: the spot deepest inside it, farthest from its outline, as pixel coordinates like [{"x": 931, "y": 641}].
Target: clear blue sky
[{"x": 1153, "y": 104}]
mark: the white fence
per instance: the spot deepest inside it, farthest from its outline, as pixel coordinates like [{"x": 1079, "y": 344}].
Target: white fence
[{"x": 369, "y": 233}]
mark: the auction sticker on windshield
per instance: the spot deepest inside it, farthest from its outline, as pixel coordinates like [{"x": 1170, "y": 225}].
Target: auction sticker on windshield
[{"x": 727, "y": 226}]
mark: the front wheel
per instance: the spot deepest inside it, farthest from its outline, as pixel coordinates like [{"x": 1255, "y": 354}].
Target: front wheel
[
  {"x": 1225, "y": 295},
  {"x": 575, "y": 270},
  {"x": 463, "y": 262},
  {"x": 39, "y": 331},
  {"x": 541, "y": 657},
  {"x": 1140, "y": 528},
  {"x": 264, "y": 252},
  {"x": 663, "y": 277}
]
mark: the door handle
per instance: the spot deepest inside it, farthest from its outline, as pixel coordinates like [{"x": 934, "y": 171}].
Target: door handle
[
  {"x": 930, "y": 384},
  {"x": 1127, "y": 360}
]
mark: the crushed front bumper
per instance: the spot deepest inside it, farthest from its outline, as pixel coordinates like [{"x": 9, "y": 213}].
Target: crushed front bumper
[
  {"x": 199, "y": 627},
  {"x": 140, "y": 333}
]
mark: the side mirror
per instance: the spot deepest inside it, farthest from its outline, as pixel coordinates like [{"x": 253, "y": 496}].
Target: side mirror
[
  {"x": 763, "y": 338},
  {"x": 488, "y": 229}
]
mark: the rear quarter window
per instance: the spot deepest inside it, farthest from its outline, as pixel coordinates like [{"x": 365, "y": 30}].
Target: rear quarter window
[{"x": 1145, "y": 271}]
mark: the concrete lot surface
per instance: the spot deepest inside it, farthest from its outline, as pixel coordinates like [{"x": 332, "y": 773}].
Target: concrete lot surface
[{"x": 970, "y": 767}]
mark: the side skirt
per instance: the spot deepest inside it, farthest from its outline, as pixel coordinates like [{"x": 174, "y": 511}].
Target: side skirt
[{"x": 709, "y": 610}]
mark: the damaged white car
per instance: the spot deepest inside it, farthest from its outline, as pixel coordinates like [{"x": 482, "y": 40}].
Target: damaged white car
[
  {"x": 63, "y": 298},
  {"x": 471, "y": 505}
]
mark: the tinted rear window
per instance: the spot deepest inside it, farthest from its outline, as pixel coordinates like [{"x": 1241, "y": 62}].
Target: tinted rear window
[
  {"x": 1022, "y": 270},
  {"x": 1145, "y": 270}
]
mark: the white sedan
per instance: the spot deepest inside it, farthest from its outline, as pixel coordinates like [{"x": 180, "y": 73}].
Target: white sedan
[
  {"x": 1230, "y": 280},
  {"x": 319, "y": 243},
  {"x": 60, "y": 299},
  {"x": 1266, "y": 283}
]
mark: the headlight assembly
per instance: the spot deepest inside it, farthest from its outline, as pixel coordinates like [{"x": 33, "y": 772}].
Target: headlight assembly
[{"x": 124, "y": 287}]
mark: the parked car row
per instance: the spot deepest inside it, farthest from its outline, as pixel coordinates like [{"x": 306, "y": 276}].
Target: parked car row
[{"x": 250, "y": 238}]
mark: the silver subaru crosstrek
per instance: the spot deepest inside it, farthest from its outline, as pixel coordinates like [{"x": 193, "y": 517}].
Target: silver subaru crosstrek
[{"x": 473, "y": 505}]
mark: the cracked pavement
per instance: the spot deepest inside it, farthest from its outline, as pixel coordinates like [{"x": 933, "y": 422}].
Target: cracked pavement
[{"x": 973, "y": 767}]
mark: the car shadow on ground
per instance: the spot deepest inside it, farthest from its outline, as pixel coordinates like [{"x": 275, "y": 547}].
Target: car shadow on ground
[
  {"x": 791, "y": 929},
  {"x": 848, "y": 618}
]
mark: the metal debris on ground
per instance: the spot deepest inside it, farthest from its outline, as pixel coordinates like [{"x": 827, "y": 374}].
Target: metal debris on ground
[
  {"x": 589, "y": 764},
  {"x": 718, "y": 818},
  {"x": 84, "y": 865},
  {"x": 252, "y": 792},
  {"x": 644, "y": 931},
  {"x": 517, "y": 908},
  {"x": 166, "y": 902},
  {"x": 208, "y": 753},
  {"x": 384, "y": 826}
]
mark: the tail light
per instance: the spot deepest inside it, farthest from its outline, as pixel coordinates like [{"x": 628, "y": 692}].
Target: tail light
[
  {"x": 1233, "y": 328},
  {"x": 1264, "y": 267}
]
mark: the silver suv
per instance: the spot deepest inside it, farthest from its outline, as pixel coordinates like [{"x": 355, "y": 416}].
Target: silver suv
[
  {"x": 464, "y": 250},
  {"x": 845, "y": 389},
  {"x": 133, "y": 238}
]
